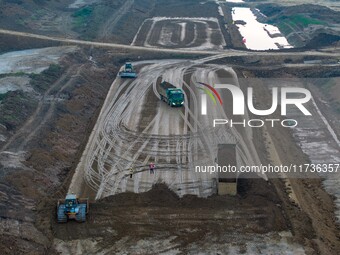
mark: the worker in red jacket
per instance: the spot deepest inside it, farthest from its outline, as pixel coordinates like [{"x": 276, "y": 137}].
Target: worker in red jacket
[{"x": 152, "y": 167}]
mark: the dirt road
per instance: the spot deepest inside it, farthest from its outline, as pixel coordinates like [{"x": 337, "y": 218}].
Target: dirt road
[{"x": 331, "y": 52}]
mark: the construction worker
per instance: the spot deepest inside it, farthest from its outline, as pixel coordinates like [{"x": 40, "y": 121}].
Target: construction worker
[
  {"x": 131, "y": 172},
  {"x": 152, "y": 167}
]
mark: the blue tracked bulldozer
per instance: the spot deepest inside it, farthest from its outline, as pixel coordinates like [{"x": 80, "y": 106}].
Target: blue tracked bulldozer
[{"x": 72, "y": 208}]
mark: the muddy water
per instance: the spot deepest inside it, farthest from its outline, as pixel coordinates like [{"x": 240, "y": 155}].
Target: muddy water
[
  {"x": 15, "y": 83},
  {"x": 80, "y": 3},
  {"x": 31, "y": 61},
  {"x": 234, "y": 1},
  {"x": 258, "y": 36}
]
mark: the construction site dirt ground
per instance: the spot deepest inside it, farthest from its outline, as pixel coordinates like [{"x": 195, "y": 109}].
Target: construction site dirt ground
[
  {"x": 121, "y": 223},
  {"x": 50, "y": 132},
  {"x": 160, "y": 221},
  {"x": 261, "y": 212},
  {"x": 190, "y": 33}
]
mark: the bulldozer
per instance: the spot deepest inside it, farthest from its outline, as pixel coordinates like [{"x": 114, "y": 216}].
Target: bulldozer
[{"x": 72, "y": 208}]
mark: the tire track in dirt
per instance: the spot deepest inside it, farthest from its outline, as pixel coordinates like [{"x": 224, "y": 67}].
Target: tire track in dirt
[
  {"x": 120, "y": 143},
  {"x": 110, "y": 24}
]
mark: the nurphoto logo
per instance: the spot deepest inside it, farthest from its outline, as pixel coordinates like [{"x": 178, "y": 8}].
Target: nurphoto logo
[{"x": 239, "y": 104}]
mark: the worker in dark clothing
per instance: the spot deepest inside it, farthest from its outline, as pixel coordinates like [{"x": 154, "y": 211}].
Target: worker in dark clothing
[{"x": 131, "y": 172}]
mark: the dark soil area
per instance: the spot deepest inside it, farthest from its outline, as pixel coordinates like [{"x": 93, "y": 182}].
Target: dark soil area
[
  {"x": 13, "y": 116},
  {"x": 128, "y": 25},
  {"x": 187, "y": 8},
  {"x": 306, "y": 25},
  {"x": 161, "y": 211},
  {"x": 12, "y": 43},
  {"x": 323, "y": 40},
  {"x": 40, "y": 175},
  {"x": 315, "y": 11}
]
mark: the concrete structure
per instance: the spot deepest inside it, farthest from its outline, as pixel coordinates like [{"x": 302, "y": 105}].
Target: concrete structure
[{"x": 227, "y": 181}]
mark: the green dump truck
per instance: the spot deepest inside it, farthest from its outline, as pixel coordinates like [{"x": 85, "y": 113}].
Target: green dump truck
[{"x": 170, "y": 94}]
